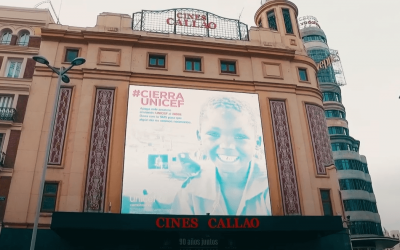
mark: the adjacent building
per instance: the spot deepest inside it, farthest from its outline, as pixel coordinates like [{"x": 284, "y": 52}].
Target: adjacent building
[
  {"x": 355, "y": 183},
  {"x": 19, "y": 41}
]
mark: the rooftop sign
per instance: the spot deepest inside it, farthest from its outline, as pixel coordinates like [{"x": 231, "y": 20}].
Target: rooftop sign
[
  {"x": 308, "y": 21},
  {"x": 190, "y": 22}
]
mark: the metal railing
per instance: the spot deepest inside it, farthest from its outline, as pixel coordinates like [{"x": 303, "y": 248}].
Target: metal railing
[
  {"x": 7, "y": 114},
  {"x": 190, "y": 22}
]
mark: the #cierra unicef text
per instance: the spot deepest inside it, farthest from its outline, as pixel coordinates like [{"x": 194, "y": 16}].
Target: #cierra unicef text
[{"x": 159, "y": 98}]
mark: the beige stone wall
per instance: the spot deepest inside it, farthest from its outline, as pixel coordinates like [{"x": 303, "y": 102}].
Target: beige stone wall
[{"x": 118, "y": 59}]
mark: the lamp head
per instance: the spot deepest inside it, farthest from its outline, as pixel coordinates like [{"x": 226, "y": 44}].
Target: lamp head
[
  {"x": 41, "y": 59},
  {"x": 78, "y": 61},
  {"x": 65, "y": 79}
]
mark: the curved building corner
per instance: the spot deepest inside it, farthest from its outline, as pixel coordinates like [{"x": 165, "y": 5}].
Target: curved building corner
[{"x": 355, "y": 182}]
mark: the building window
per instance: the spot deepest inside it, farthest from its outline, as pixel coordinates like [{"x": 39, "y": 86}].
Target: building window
[
  {"x": 193, "y": 64},
  {"x": 23, "y": 39},
  {"x": 49, "y": 197},
  {"x": 71, "y": 54},
  {"x": 314, "y": 38},
  {"x": 272, "y": 20},
  {"x": 288, "y": 21},
  {"x": 303, "y": 75},
  {"x": 343, "y": 147},
  {"x": 366, "y": 227},
  {"x": 157, "y": 61},
  {"x": 360, "y": 205},
  {"x": 13, "y": 68},
  {"x": 355, "y": 184},
  {"x": 228, "y": 67},
  {"x": 335, "y": 113},
  {"x": 331, "y": 97},
  {"x": 351, "y": 165},
  {"x": 6, "y": 37},
  {"x": 326, "y": 202},
  {"x": 338, "y": 131}
]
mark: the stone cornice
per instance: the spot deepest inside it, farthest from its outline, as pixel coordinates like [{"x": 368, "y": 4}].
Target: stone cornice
[
  {"x": 187, "y": 82},
  {"x": 15, "y": 49},
  {"x": 167, "y": 43}
]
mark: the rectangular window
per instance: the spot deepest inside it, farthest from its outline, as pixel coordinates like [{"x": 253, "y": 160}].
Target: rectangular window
[
  {"x": 49, "y": 197},
  {"x": 14, "y": 68},
  {"x": 303, "y": 75},
  {"x": 193, "y": 64},
  {"x": 157, "y": 61},
  {"x": 272, "y": 20},
  {"x": 288, "y": 21},
  {"x": 228, "y": 67},
  {"x": 326, "y": 202},
  {"x": 71, "y": 54}
]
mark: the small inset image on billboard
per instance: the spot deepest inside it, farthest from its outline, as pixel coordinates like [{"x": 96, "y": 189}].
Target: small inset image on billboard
[{"x": 193, "y": 152}]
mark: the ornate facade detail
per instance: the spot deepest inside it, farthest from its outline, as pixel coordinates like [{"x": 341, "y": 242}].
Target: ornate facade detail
[
  {"x": 284, "y": 155},
  {"x": 320, "y": 138},
  {"x": 98, "y": 151},
  {"x": 60, "y": 127}
]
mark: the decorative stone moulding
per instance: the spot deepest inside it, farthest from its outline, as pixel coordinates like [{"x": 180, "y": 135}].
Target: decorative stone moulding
[
  {"x": 284, "y": 155},
  {"x": 98, "y": 152},
  {"x": 320, "y": 138},
  {"x": 60, "y": 127}
]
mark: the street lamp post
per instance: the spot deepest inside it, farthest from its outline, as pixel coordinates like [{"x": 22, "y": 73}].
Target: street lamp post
[{"x": 61, "y": 77}]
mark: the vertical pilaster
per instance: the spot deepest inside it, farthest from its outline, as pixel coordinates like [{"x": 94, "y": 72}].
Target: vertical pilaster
[
  {"x": 60, "y": 127},
  {"x": 98, "y": 151},
  {"x": 284, "y": 155},
  {"x": 320, "y": 138}
]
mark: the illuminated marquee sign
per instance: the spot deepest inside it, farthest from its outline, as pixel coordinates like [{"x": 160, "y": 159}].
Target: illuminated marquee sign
[
  {"x": 232, "y": 223},
  {"x": 190, "y": 22}
]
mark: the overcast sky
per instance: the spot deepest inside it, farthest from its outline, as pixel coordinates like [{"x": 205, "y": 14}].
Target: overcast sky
[{"x": 366, "y": 33}]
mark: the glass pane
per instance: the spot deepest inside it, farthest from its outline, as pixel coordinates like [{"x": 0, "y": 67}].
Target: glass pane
[
  {"x": 17, "y": 69},
  {"x": 50, "y": 188},
  {"x": 288, "y": 21},
  {"x": 153, "y": 61},
  {"x": 48, "y": 204},
  {"x": 303, "y": 75},
  {"x": 325, "y": 195},
  {"x": 71, "y": 55},
  {"x": 11, "y": 69},
  {"x": 197, "y": 66},
  {"x": 161, "y": 61},
  {"x": 189, "y": 65},
  {"x": 224, "y": 67},
  {"x": 232, "y": 68},
  {"x": 327, "y": 208},
  {"x": 272, "y": 20},
  {"x": 6, "y": 39}
]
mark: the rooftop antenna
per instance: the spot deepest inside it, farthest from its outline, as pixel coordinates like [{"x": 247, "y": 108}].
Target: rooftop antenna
[
  {"x": 241, "y": 13},
  {"x": 48, "y": 1}
]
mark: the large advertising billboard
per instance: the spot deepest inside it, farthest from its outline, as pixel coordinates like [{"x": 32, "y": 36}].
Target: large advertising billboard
[{"x": 193, "y": 152}]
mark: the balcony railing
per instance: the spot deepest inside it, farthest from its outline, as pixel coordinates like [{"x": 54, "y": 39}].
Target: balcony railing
[{"x": 7, "y": 114}]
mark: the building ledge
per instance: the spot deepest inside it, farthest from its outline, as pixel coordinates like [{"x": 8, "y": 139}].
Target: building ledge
[{"x": 380, "y": 242}]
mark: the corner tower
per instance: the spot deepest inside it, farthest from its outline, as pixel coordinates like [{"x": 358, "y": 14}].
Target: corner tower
[{"x": 280, "y": 17}]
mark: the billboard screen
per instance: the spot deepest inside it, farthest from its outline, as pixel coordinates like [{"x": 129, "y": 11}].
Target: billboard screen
[{"x": 193, "y": 152}]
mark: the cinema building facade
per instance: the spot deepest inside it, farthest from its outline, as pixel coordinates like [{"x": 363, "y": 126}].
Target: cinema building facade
[{"x": 174, "y": 116}]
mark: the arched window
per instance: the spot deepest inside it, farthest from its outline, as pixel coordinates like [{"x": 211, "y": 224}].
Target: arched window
[
  {"x": 23, "y": 38},
  {"x": 6, "y": 36}
]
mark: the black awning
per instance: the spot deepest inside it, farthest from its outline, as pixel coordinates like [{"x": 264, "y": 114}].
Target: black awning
[
  {"x": 84, "y": 228},
  {"x": 65, "y": 221}
]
